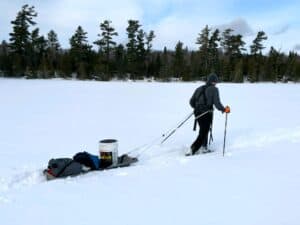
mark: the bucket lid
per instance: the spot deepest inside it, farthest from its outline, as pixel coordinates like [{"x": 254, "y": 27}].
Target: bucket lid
[{"x": 106, "y": 141}]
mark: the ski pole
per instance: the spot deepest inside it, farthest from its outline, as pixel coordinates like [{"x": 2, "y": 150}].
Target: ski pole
[
  {"x": 173, "y": 131},
  {"x": 225, "y": 134},
  {"x": 148, "y": 145},
  {"x": 211, "y": 139},
  {"x": 197, "y": 117}
]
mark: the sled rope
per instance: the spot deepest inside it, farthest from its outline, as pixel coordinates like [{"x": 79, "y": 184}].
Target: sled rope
[
  {"x": 141, "y": 149},
  {"x": 145, "y": 147}
]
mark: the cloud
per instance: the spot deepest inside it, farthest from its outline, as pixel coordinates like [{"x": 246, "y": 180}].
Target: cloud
[
  {"x": 171, "y": 20},
  {"x": 66, "y": 15},
  {"x": 297, "y": 47},
  {"x": 239, "y": 26},
  {"x": 282, "y": 30}
]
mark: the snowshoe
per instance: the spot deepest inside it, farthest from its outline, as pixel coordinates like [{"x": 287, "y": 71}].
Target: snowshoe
[{"x": 199, "y": 152}]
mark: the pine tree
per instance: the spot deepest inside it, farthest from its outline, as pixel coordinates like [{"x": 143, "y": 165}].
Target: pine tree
[
  {"x": 238, "y": 72},
  {"x": 226, "y": 41},
  {"x": 80, "y": 53},
  {"x": 257, "y": 47},
  {"x": 106, "y": 42},
  {"x": 233, "y": 46},
  {"x": 297, "y": 68},
  {"x": 149, "y": 39},
  {"x": 273, "y": 65},
  {"x": 203, "y": 42},
  {"x": 257, "y": 58},
  {"x": 53, "y": 50},
  {"x": 157, "y": 66},
  {"x": 237, "y": 45},
  {"x": 5, "y": 60},
  {"x": 214, "y": 52},
  {"x": 20, "y": 38},
  {"x": 178, "y": 60},
  {"x": 120, "y": 62},
  {"x": 37, "y": 53},
  {"x": 164, "y": 72},
  {"x": 140, "y": 52},
  {"x": 65, "y": 64},
  {"x": 290, "y": 72},
  {"x": 132, "y": 33},
  {"x": 194, "y": 64}
]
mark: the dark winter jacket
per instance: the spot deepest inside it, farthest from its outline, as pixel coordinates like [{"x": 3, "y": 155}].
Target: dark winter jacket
[{"x": 201, "y": 103}]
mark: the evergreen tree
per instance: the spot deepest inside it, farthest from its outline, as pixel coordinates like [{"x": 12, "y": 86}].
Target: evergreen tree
[
  {"x": 203, "y": 42},
  {"x": 297, "y": 68},
  {"x": 164, "y": 72},
  {"x": 53, "y": 50},
  {"x": 232, "y": 45},
  {"x": 273, "y": 65},
  {"x": 290, "y": 72},
  {"x": 214, "y": 52},
  {"x": 37, "y": 53},
  {"x": 20, "y": 38},
  {"x": 149, "y": 38},
  {"x": 132, "y": 33},
  {"x": 141, "y": 52},
  {"x": 120, "y": 61},
  {"x": 80, "y": 53},
  {"x": 237, "y": 45},
  {"x": 194, "y": 64},
  {"x": 226, "y": 41},
  {"x": 238, "y": 72},
  {"x": 178, "y": 61},
  {"x": 157, "y": 66},
  {"x": 257, "y": 46},
  {"x": 65, "y": 64},
  {"x": 106, "y": 42},
  {"x": 5, "y": 60},
  {"x": 226, "y": 63}
]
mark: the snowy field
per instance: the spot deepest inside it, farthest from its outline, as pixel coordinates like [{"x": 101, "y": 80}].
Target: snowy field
[{"x": 256, "y": 183}]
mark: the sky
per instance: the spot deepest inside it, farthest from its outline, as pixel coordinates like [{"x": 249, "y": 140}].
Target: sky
[{"x": 171, "y": 20}]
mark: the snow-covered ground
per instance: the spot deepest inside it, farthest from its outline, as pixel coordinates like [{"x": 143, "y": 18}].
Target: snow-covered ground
[{"x": 256, "y": 183}]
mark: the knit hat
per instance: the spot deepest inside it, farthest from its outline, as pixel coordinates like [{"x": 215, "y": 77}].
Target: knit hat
[{"x": 212, "y": 78}]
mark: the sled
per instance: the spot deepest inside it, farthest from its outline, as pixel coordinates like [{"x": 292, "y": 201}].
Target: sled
[{"x": 123, "y": 161}]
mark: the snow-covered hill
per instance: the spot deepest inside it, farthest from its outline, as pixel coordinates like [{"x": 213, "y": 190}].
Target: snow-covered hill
[{"x": 256, "y": 183}]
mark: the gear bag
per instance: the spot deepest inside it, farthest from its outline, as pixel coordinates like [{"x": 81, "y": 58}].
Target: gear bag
[
  {"x": 62, "y": 167},
  {"x": 87, "y": 159}
]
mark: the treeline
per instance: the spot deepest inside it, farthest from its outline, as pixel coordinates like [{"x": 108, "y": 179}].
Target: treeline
[{"x": 31, "y": 55}]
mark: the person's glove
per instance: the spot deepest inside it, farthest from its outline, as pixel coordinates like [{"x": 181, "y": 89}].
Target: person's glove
[{"x": 227, "y": 109}]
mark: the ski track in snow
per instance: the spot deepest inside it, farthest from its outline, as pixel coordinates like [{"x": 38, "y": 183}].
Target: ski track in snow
[
  {"x": 155, "y": 158},
  {"x": 159, "y": 156},
  {"x": 259, "y": 140},
  {"x": 45, "y": 119},
  {"x": 19, "y": 181}
]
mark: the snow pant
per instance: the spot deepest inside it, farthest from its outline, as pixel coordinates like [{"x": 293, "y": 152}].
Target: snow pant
[{"x": 204, "y": 124}]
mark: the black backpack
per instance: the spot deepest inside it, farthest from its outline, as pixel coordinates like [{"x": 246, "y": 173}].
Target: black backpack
[
  {"x": 62, "y": 167},
  {"x": 201, "y": 101}
]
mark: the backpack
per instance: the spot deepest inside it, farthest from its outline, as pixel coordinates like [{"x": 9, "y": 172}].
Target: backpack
[
  {"x": 62, "y": 167},
  {"x": 201, "y": 101},
  {"x": 87, "y": 159}
]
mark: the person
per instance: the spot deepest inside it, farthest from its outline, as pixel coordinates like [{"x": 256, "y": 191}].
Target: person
[{"x": 202, "y": 101}]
